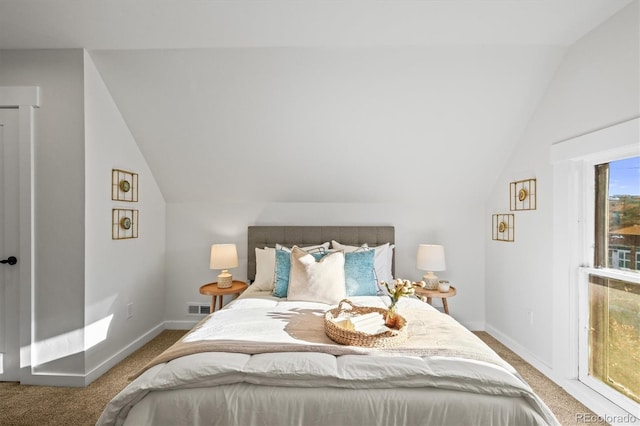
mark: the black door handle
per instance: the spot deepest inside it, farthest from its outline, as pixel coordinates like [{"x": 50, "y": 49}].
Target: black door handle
[{"x": 11, "y": 260}]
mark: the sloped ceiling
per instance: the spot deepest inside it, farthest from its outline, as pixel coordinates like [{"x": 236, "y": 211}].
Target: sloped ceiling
[
  {"x": 326, "y": 125},
  {"x": 315, "y": 101}
]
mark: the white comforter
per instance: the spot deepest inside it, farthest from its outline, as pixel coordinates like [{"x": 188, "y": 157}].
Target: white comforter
[{"x": 309, "y": 380}]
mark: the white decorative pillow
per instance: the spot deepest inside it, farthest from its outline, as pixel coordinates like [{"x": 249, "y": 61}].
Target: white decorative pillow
[
  {"x": 316, "y": 281},
  {"x": 265, "y": 268},
  {"x": 320, "y": 248}
]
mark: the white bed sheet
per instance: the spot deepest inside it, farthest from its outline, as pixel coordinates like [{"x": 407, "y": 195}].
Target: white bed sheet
[
  {"x": 245, "y": 404},
  {"x": 316, "y": 388}
]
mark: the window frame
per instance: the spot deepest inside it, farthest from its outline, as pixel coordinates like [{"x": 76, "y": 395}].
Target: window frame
[
  {"x": 588, "y": 235},
  {"x": 571, "y": 252}
]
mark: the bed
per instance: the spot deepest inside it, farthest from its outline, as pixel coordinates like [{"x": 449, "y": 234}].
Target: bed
[{"x": 266, "y": 360}]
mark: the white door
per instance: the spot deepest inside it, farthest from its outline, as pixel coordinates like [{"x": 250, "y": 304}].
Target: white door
[{"x": 9, "y": 246}]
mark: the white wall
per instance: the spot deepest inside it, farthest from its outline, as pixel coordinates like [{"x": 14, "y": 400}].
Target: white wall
[
  {"x": 83, "y": 279},
  {"x": 118, "y": 272},
  {"x": 597, "y": 85},
  {"x": 59, "y": 203}
]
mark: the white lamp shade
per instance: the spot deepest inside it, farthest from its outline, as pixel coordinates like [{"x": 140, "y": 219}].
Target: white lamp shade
[
  {"x": 430, "y": 257},
  {"x": 223, "y": 256}
]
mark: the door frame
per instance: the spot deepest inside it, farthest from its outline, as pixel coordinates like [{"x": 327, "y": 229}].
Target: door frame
[{"x": 25, "y": 99}]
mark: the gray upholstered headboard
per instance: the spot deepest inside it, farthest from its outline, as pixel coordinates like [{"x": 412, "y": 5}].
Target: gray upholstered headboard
[{"x": 269, "y": 236}]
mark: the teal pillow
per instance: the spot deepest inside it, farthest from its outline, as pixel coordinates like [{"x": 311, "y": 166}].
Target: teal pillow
[
  {"x": 359, "y": 273},
  {"x": 283, "y": 270}
]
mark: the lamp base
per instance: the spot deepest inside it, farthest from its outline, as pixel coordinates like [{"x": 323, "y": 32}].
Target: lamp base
[
  {"x": 431, "y": 281},
  {"x": 225, "y": 280}
]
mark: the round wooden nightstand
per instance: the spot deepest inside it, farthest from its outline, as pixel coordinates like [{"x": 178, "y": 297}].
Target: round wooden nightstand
[
  {"x": 214, "y": 291},
  {"x": 427, "y": 295}
]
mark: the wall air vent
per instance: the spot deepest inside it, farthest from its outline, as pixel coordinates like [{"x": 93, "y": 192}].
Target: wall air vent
[{"x": 198, "y": 309}]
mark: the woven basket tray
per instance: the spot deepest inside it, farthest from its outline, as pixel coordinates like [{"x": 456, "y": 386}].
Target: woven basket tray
[{"x": 343, "y": 336}]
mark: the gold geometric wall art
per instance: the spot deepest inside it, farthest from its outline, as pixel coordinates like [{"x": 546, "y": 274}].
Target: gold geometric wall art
[
  {"x": 124, "y": 186},
  {"x": 522, "y": 195},
  {"x": 502, "y": 226},
  {"x": 124, "y": 224}
]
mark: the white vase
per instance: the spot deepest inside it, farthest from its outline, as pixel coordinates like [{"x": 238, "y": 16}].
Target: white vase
[{"x": 443, "y": 286}]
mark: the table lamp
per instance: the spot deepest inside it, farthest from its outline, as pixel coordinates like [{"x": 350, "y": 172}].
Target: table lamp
[
  {"x": 430, "y": 258},
  {"x": 224, "y": 256}
]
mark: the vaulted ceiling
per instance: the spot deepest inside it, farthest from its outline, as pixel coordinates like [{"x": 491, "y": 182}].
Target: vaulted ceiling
[{"x": 317, "y": 101}]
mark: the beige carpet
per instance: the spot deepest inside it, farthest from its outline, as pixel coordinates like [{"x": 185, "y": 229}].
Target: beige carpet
[
  {"x": 563, "y": 405},
  {"x": 42, "y": 405}
]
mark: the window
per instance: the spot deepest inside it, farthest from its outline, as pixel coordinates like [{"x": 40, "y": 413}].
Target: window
[
  {"x": 614, "y": 340},
  {"x": 620, "y": 258},
  {"x": 587, "y": 171},
  {"x": 617, "y": 214},
  {"x": 614, "y": 284}
]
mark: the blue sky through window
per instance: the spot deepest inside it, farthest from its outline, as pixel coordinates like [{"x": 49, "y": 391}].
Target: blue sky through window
[{"x": 624, "y": 177}]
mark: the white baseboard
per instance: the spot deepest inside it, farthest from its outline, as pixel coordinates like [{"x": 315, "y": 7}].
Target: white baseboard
[
  {"x": 110, "y": 362},
  {"x": 49, "y": 379},
  {"x": 473, "y": 325},
  {"x": 82, "y": 380},
  {"x": 106, "y": 365},
  {"x": 523, "y": 352},
  {"x": 28, "y": 377}
]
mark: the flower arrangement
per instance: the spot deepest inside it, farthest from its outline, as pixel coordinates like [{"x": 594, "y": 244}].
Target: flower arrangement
[{"x": 400, "y": 288}]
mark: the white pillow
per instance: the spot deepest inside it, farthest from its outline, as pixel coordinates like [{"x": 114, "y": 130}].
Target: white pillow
[
  {"x": 390, "y": 260},
  {"x": 266, "y": 264},
  {"x": 382, "y": 262},
  {"x": 316, "y": 281},
  {"x": 347, "y": 249},
  {"x": 320, "y": 248},
  {"x": 265, "y": 268}
]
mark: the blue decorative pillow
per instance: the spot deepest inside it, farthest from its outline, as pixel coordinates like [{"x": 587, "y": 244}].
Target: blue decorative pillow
[
  {"x": 283, "y": 270},
  {"x": 359, "y": 273}
]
